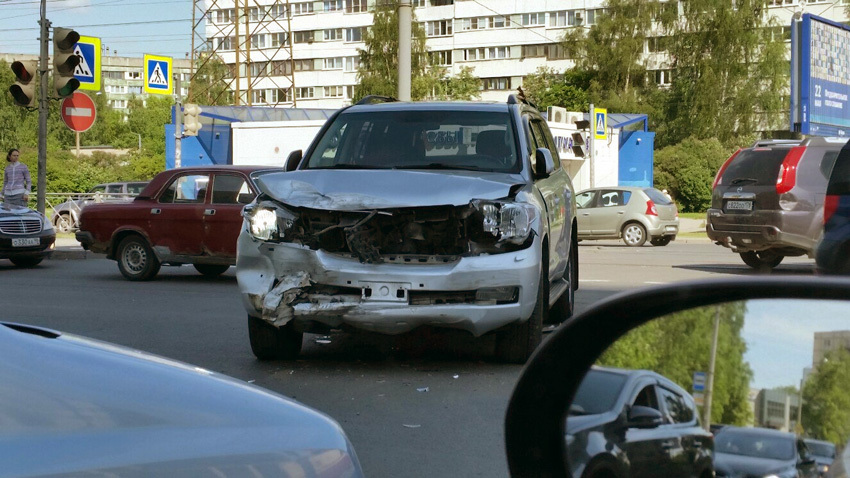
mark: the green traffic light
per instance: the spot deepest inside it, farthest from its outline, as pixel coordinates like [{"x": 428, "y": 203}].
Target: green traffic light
[{"x": 68, "y": 88}]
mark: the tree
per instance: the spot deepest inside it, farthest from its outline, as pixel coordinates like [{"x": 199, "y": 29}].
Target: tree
[
  {"x": 729, "y": 71},
  {"x": 678, "y": 345},
  {"x": 826, "y": 403},
  {"x": 546, "y": 87},
  {"x": 686, "y": 170},
  {"x": 209, "y": 84},
  {"x": 463, "y": 86},
  {"x": 148, "y": 118}
]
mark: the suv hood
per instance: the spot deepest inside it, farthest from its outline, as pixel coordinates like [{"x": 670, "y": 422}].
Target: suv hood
[
  {"x": 350, "y": 190},
  {"x": 7, "y": 211}
]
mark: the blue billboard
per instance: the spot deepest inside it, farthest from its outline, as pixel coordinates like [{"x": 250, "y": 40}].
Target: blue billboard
[{"x": 820, "y": 77}]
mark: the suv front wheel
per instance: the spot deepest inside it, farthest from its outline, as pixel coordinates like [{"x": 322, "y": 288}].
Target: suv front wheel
[{"x": 762, "y": 259}]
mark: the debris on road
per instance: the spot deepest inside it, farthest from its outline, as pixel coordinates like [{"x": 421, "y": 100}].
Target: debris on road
[{"x": 423, "y": 389}]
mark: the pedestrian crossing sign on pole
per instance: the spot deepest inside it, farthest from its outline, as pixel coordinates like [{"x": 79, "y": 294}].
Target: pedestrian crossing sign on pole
[
  {"x": 600, "y": 123},
  {"x": 88, "y": 70},
  {"x": 158, "y": 75}
]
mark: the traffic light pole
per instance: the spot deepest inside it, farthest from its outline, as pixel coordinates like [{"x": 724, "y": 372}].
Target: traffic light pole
[
  {"x": 43, "y": 109},
  {"x": 178, "y": 125}
]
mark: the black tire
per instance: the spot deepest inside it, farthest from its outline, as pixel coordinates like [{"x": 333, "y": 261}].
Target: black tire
[
  {"x": 273, "y": 343},
  {"x": 26, "y": 261},
  {"x": 660, "y": 241},
  {"x": 565, "y": 305},
  {"x": 64, "y": 223},
  {"x": 136, "y": 259},
  {"x": 762, "y": 260},
  {"x": 211, "y": 270},
  {"x": 516, "y": 342},
  {"x": 634, "y": 234}
]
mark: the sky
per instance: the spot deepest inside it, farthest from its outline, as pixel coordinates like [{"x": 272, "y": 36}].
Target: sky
[{"x": 126, "y": 27}]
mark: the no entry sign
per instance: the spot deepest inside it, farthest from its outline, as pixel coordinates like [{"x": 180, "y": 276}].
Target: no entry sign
[{"x": 78, "y": 112}]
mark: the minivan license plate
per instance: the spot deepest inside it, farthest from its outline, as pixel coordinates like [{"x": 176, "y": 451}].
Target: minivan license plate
[
  {"x": 740, "y": 205},
  {"x": 26, "y": 242}
]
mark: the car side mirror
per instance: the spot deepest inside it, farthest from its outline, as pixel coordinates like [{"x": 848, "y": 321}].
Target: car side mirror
[
  {"x": 293, "y": 160},
  {"x": 644, "y": 417},
  {"x": 543, "y": 163}
]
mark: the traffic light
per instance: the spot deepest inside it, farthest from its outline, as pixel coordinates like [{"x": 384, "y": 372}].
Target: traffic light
[
  {"x": 23, "y": 91},
  {"x": 65, "y": 61},
  {"x": 191, "y": 121}
]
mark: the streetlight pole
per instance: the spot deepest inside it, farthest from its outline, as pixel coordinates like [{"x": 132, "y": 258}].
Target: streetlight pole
[
  {"x": 405, "y": 14},
  {"x": 43, "y": 108},
  {"x": 709, "y": 386}
]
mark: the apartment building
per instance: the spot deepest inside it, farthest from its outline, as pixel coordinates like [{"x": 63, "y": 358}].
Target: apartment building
[
  {"x": 502, "y": 40},
  {"x": 826, "y": 342},
  {"x": 122, "y": 78}
]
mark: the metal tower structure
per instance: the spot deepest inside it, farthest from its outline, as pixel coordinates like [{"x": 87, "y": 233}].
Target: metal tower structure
[{"x": 231, "y": 29}]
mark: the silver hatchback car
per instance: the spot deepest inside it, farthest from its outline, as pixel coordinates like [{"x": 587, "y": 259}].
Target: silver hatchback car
[{"x": 635, "y": 214}]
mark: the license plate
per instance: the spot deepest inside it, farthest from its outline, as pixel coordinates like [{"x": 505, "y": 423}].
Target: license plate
[
  {"x": 740, "y": 205},
  {"x": 26, "y": 242}
]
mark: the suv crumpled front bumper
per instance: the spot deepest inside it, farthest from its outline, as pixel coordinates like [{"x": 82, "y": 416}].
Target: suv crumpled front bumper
[{"x": 280, "y": 282}]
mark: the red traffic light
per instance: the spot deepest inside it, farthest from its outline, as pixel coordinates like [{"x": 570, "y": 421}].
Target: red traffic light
[{"x": 22, "y": 73}]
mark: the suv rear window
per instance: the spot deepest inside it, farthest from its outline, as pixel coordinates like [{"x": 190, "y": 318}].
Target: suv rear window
[
  {"x": 758, "y": 164},
  {"x": 839, "y": 179},
  {"x": 657, "y": 197},
  {"x": 470, "y": 140}
]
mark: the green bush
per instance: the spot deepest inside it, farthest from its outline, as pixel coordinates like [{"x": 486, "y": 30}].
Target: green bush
[{"x": 687, "y": 169}]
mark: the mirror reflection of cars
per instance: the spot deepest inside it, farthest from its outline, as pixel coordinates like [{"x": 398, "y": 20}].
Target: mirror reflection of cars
[
  {"x": 833, "y": 251},
  {"x": 73, "y": 406},
  {"x": 66, "y": 215},
  {"x": 761, "y": 452},
  {"x": 629, "y": 423},
  {"x": 537, "y": 417},
  {"x": 402, "y": 215},
  {"x": 767, "y": 200},
  {"x": 635, "y": 214},
  {"x": 187, "y": 215},
  {"x": 824, "y": 454},
  {"x": 26, "y": 236}
]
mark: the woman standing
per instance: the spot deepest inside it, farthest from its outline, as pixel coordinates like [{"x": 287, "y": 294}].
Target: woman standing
[{"x": 16, "y": 181}]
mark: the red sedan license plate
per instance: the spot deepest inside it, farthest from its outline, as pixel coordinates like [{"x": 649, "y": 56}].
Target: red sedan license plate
[
  {"x": 740, "y": 205},
  {"x": 25, "y": 242}
]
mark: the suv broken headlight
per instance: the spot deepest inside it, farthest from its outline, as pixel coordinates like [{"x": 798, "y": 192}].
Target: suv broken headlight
[
  {"x": 267, "y": 223},
  {"x": 508, "y": 221}
]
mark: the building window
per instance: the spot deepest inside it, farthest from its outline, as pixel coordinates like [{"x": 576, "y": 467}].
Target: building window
[
  {"x": 566, "y": 18},
  {"x": 418, "y": 3},
  {"x": 349, "y": 91},
  {"x": 438, "y": 28},
  {"x": 333, "y": 5},
  {"x": 502, "y": 83},
  {"x": 279, "y": 95},
  {"x": 593, "y": 15},
  {"x": 498, "y": 22},
  {"x": 254, "y": 14},
  {"x": 442, "y": 58},
  {"x": 278, "y": 10},
  {"x": 134, "y": 90},
  {"x": 354, "y": 34},
  {"x": 473, "y": 54},
  {"x": 355, "y": 6},
  {"x": 280, "y": 68},
  {"x": 532, "y": 19},
  {"x": 258, "y": 96},
  {"x": 499, "y": 53},
  {"x": 439, "y": 3},
  {"x": 467, "y": 24},
  {"x": 114, "y": 75},
  {"x": 120, "y": 104},
  {"x": 225, "y": 16},
  {"x": 279, "y": 39},
  {"x": 304, "y": 92},
  {"x": 352, "y": 63},
  {"x": 555, "y": 51},
  {"x": 533, "y": 51},
  {"x": 225, "y": 43},
  {"x": 305, "y": 65},
  {"x": 133, "y": 75},
  {"x": 333, "y": 91},
  {"x": 304, "y": 37},
  {"x": 333, "y": 34},
  {"x": 302, "y": 8},
  {"x": 258, "y": 41},
  {"x": 333, "y": 63},
  {"x": 259, "y": 69},
  {"x": 663, "y": 77}
]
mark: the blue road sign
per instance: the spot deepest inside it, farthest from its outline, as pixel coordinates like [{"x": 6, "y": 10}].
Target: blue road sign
[
  {"x": 88, "y": 71},
  {"x": 699, "y": 381},
  {"x": 158, "y": 75}
]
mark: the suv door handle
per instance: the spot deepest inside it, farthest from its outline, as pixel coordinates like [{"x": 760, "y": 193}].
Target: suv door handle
[
  {"x": 156, "y": 210},
  {"x": 209, "y": 212}
]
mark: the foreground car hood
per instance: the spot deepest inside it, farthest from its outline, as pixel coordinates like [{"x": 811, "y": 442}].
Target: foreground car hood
[
  {"x": 70, "y": 405},
  {"x": 349, "y": 190},
  {"x": 734, "y": 465},
  {"x": 17, "y": 212}
]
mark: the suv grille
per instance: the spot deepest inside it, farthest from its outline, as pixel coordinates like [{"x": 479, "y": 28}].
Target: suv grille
[{"x": 20, "y": 226}]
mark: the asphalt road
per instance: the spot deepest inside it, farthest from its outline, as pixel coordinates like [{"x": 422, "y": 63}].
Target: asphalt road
[{"x": 424, "y": 404}]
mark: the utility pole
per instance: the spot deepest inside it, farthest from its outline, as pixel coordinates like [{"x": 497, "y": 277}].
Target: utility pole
[
  {"x": 178, "y": 125},
  {"x": 43, "y": 108},
  {"x": 709, "y": 385},
  {"x": 591, "y": 144},
  {"x": 405, "y": 14}
]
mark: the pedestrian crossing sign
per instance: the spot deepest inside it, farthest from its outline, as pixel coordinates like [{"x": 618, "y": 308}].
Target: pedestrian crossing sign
[
  {"x": 600, "y": 124},
  {"x": 88, "y": 70},
  {"x": 158, "y": 75}
]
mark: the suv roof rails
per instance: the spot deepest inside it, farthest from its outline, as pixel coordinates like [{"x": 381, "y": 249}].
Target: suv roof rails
[
  {"x": 775, "y": 142},
  {"x": 374, "y": 99}
]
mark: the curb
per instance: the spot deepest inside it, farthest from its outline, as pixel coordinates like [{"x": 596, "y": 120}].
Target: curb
[{"x": 73, "y": 253}]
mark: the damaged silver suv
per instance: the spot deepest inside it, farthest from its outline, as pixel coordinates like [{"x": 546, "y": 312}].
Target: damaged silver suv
[{"x": 402, "y": 215}]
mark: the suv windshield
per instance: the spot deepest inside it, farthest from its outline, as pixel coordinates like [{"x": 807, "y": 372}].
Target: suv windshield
[
  {"x": 753, "y": 444},
  {"x": 821, "y": 449},
  {"x": 755, "y": 166},
  {"x": 471, "y": 140}
]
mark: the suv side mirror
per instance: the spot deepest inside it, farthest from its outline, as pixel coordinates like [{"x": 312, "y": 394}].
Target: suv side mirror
[
  {"x": 644, "y": 417},
  {"x": 543, "y": 163},
  {"x": 292, "y": 161}
]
